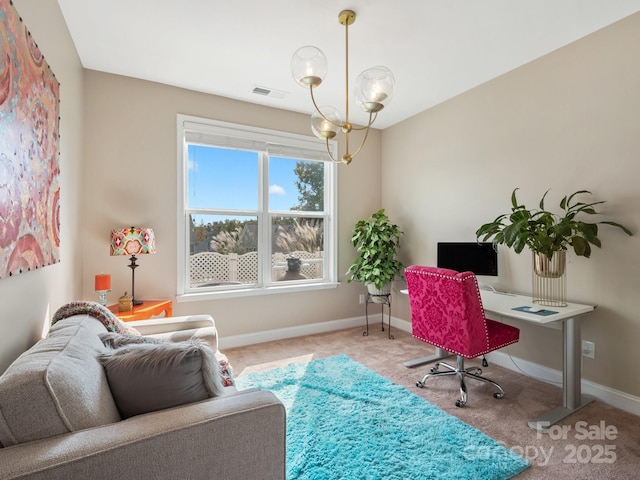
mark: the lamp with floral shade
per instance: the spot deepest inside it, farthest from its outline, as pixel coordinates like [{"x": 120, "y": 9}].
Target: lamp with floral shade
[{"x": 133, "y": 241}]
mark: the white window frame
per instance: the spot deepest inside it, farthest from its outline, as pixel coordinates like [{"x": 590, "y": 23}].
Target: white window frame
[{"x": 229, "y": 135}]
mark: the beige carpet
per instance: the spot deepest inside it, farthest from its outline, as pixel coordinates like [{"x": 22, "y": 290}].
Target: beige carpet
[{"x": 557, "y": 455}]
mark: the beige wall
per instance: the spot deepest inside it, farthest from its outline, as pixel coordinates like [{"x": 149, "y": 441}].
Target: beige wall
[
  {"x": 568, "y": 121},
  {"x": 29, "y": 299},
  {"x": 130, "y": 179}
]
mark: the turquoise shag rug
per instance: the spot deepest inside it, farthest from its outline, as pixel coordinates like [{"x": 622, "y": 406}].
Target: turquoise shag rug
[{"x": 344, "y": 421}]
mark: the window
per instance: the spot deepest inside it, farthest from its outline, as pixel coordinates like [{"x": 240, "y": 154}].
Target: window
[{"x": 257, "y": 210}]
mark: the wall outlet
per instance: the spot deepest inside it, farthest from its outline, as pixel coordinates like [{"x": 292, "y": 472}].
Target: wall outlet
[
  {"x": 362, "y": 299},
  {"x": 588, "y": 349}
]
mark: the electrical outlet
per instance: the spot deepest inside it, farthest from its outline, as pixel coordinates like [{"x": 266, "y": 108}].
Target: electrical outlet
[
  {"x": 361, "y": 299},
  {"x": 588, "y": 349}
]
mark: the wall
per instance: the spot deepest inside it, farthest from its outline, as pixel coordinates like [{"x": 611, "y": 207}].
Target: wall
[
  {"x": 564, "y": 122},
  {"x": 130, "y": 144},
  {"x": 30, "y": 299}
]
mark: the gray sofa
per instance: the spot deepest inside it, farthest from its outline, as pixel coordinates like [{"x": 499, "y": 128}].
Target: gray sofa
[{"x": 58, "y": 419}]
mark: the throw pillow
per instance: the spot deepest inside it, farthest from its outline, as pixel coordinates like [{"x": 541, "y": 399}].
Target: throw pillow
[
  {"x": 117, "y": 340},
  {"x": 110, "y": 321},
  {"x": 145, "y": 377}
]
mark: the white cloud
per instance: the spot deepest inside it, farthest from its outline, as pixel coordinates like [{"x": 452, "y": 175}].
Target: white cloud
[{"x": 276, "y": 190}]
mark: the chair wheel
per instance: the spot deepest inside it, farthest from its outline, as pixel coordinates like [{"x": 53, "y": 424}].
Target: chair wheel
[
  {"x": 434, "y": 369},
  {"x": 459, "y": 404},
  {"x": 498, "y": 395},
  {"x": 419, "y": 384},
  {"x": 485, "y": 364}
]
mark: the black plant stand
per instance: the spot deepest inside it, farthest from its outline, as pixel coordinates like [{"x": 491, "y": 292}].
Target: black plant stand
[{"x": 381, "y": 300}]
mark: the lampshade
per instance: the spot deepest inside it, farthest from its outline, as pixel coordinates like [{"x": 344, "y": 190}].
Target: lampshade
[
  {"x": 132, "y": 241},
  {"x": 325, "y": 126},
  {"x": 309, "y": 66},
  {"x": 374, "y": 88}
]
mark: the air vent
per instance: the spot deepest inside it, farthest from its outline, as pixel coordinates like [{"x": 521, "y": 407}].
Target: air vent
[
  {"x": 261, "y": 91},
  {"x": 268, "y": 92}
]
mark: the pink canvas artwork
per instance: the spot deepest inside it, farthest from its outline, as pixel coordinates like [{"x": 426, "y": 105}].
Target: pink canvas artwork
[{"x": 29, "y": 143}]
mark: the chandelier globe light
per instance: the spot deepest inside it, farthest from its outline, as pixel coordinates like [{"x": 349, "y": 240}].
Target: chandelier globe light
[
  {"x": 373, "y": 90},
  {"x": 309, "y": 66},
  {"x": 325, "y": 122}
]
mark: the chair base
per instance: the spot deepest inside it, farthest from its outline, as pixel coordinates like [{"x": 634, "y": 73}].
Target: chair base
[{"x": 461, "y": 372}]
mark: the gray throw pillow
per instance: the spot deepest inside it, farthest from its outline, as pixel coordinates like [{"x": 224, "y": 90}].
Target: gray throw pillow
[{"x": 145, "y": 377}]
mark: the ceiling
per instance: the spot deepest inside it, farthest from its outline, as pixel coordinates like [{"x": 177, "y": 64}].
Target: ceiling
[{"x": 436, "y": 49}]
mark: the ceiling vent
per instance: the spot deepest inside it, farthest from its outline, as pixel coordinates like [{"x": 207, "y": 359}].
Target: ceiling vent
[{"x": 268, "y": 92}]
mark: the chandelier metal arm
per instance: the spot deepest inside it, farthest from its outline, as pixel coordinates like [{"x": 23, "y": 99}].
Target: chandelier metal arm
[
  {"x": 372, "y": 116},
  {"x": 315, "y": 105},
  {"x": 331, "y": 154},
  {"x": 372, "y": 119},
  {"x": 346, "y": 159},
  {"x": 364, "y": 138}
]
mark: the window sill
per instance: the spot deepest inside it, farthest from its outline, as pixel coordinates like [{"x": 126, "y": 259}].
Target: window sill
[{"x": 252, "y": 292}]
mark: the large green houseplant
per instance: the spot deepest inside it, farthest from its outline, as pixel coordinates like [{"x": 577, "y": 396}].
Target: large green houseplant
[
  {"x": 377, "y": 241},
  {"x": 545, "y": 232},
  {"x": 548, "y": 235}
]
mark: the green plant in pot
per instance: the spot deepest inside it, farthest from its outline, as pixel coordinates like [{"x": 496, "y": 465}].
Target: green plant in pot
[
  {"x": 548, "y": 235},
  {"x": 377, "y": 241}
]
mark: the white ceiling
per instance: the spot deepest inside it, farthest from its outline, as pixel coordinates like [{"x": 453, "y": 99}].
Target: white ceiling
[{"x": 436, "y": 48}]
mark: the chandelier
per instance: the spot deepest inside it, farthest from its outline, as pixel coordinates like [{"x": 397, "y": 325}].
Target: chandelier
[{"x": 373, "y": 90}]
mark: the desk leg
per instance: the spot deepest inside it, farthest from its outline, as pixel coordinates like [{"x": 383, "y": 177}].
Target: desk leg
[
  {"x": 439, "y": 355},
  {"x": 572, "y": 398},
  {"x": 572, "y": 361}
]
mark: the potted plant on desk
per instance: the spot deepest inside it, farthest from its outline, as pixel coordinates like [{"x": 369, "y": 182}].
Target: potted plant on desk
[
  {"x": 548, "y": 236},
  {"x": 377, "y": 241}
]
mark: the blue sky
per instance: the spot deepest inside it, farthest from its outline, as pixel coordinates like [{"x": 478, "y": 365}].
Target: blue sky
[{"x": 223, "y": 178}]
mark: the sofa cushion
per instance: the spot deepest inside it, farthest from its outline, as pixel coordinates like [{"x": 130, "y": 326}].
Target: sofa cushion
[
  {"x": 179, "y": 329},
  {"x": 57, "y": 386},
  {"x": 145, "y": 377}
]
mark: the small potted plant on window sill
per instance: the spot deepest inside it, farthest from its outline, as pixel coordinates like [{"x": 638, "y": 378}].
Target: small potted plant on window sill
[{"x": 377, "y": 241}]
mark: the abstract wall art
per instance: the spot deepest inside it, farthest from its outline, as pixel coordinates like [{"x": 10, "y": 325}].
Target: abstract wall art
[{"x": 29, "y": 143}]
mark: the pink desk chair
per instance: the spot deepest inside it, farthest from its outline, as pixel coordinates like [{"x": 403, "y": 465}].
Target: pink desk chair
[{"x": 446, "y": 311}]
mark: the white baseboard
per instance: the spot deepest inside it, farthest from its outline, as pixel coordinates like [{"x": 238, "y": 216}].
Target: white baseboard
[
  {"x": 401, "y": 324},
  {"x": 616, "y": 398},
  {"x": 289, "y": 332}
]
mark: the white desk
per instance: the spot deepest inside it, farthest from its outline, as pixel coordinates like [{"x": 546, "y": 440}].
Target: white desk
[{"x": 497, "y": 305}]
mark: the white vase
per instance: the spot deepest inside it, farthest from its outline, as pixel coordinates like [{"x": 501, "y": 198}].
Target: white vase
[{"x": 378, "y": 294}]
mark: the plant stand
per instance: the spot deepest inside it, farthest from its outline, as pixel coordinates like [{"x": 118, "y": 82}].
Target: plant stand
[{"x": 381, "y": 300}]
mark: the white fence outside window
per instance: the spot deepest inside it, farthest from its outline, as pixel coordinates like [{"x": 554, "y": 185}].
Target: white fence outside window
[{"x": 211, "y": 268}]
